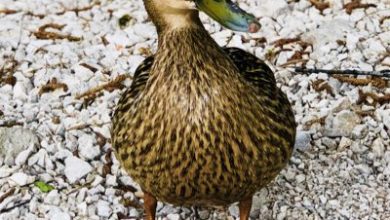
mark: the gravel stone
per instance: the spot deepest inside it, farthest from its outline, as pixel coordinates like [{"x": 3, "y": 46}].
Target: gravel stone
[{"x": 75, "y": 168}]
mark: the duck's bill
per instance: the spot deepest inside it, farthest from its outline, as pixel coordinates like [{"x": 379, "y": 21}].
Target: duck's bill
[{"x": 229, "y": 15}]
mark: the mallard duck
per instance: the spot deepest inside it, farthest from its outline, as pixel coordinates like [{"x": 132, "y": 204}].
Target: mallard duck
[{"x": 202, "y": 125}]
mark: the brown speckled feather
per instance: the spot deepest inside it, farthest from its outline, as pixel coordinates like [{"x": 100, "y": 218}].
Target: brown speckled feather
[{"x": 201, "y": 125}]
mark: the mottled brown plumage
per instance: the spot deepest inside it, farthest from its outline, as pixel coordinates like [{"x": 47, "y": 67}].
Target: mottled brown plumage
[{"x": 201, "y": 125}]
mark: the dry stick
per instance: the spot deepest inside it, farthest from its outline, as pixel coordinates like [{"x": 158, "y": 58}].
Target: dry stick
[
  {"x": 111, "y": 84},
  {"x": 8, "y": 11},
  {"x": 11, "y": 123},
  {"x": 7, "y": 194},
  {"x": 355, "y": 4},
  {"x": 382, "y": 73},
  {"x": 22, "y": 203},
  {"x": 375, "y": 81},
  {"x": 77, "y": 10},
  {"x": 43, "y": 34}
]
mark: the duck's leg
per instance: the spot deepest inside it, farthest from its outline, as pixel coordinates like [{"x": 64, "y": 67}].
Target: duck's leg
[
  {"x": 196, "y": 212},
  {"x": 150, "y": 205},
  {"x": 245, "y": 208}
]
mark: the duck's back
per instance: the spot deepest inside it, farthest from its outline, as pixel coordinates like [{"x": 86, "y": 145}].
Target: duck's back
[{"x": 206, "y": 145}]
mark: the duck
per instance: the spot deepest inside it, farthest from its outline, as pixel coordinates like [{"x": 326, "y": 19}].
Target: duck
[{"x": 202, "y": 125}]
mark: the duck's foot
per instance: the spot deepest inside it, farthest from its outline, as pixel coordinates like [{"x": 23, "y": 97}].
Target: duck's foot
[
  {"x": 150, "y": 205},
  {"x": 245, "y": 208},
  {"x": 122, "y": 216},
  {"x": 196, "y": 212}
]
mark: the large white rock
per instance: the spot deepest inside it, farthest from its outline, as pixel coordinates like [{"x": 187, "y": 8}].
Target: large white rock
[
  {"x": 378, "y": 148},
  {"x": 57, "y": 214},
  {"x": 341, "y": 124},
  {"x": 173, "y": 216},
  {"x": 53, "y": 198},
  {"x": 385, "y": 117},
  {"x": 75, "y": 168},
  {"x": 22, "y": 179},
  {"x": 103, "y": 208},
  {"x": 13, "y": 141},
  {"x": 302, "y": 140},
  {"x": 87, "y": 148}
]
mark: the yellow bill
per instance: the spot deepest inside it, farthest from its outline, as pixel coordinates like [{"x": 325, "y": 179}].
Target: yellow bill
[{"x": 229, "y": 15}]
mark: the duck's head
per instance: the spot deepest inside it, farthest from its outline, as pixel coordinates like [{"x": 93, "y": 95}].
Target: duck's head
[{"x": 180, "y": 13}]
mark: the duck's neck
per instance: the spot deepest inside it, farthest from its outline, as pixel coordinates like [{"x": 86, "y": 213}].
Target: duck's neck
[{"x": 189, "y": 52}]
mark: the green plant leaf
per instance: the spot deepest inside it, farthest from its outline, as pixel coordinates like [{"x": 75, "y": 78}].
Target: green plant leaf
[{"x": 44, "y": 187}]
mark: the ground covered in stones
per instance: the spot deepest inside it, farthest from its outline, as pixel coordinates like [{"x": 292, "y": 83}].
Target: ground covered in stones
[{"x": 64, "y": 64}]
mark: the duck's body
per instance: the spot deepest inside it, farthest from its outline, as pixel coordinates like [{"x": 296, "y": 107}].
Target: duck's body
[{"x": 202, "y": 125}]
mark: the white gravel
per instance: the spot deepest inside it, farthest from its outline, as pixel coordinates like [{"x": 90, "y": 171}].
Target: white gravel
[{"x": 341, "y": 167}]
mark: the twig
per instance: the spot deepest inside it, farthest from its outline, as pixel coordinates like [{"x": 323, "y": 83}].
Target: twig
[
  {"x": 17, "y": 205},
  {"x": 131, "y": 203},
  {"x": 321, "y": 85},
  {"x": 284, "y": 41},
  {"x": 114, "y": 84},
  {"x": 382, "y": 20},
  {"x": 7, "y": 194},
  {"x": 9, "y": 67},
  {"x": 79, "y": 127},
  {"x": 382, "y": 73},
  {"x": 40, "y": 16},
  {"x": 11, "y": 80},
  {"x": 86, "y": 65},
  {"x": 51, "y": 25},
  {"x": 375, "y": 81},
  {"x": 11, "y": 123},
  {"x": 85, "y": 126},
  {"x": 8, "y": 11},
  {"x": 108, "y": 164},
  {"x": 43, "y": 34},
  {"x": 375, "y": 98},
  {"x": 77, "y": 10},
  {"x": 293, "y": 62},
  {"x": 320, "y": 121},
  {"x": 354, "y": 4}
]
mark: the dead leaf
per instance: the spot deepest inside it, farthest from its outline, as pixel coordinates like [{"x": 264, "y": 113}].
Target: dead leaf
[
  {"x": 321, "y": 6},
  {"x": 52, "y": 85}
]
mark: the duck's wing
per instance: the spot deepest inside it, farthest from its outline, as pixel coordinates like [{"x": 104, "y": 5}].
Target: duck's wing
[
  {"x": 253, "y": 69},
  {"x": 140, "y": 78},
  {"x": 261, "y": 77},
  {"x": 250, "y": 67}
]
